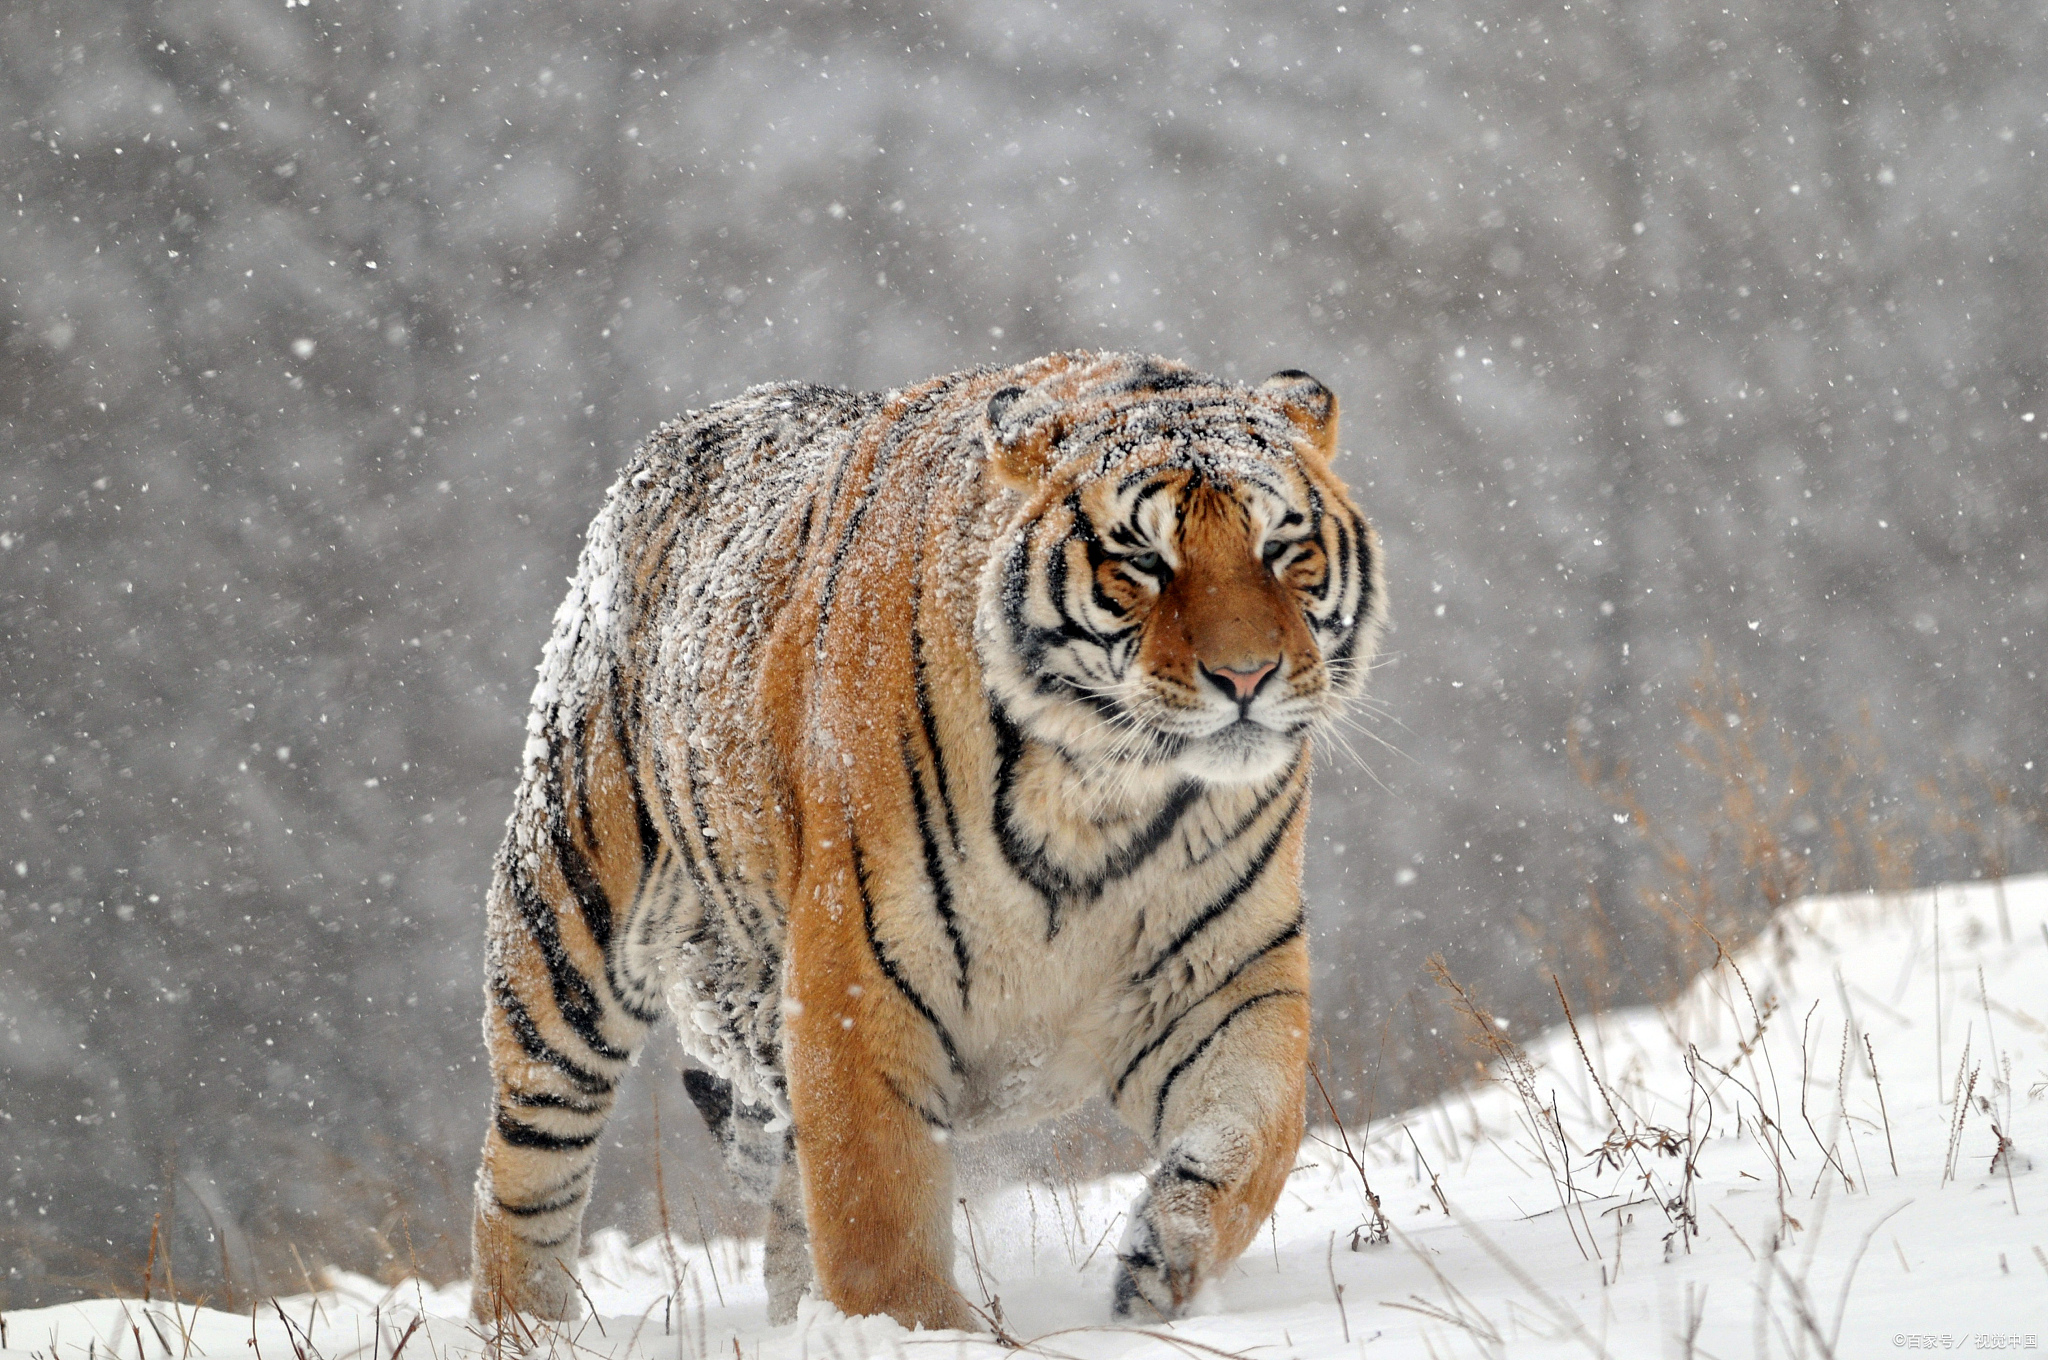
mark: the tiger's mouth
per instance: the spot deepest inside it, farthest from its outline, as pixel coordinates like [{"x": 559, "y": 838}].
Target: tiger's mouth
[
  {"x": 1223, "y": 742},
  {"x": 1245, "y": 750}
]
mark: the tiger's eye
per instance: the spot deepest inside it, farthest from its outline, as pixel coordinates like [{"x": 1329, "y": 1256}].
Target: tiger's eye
[
  {"x": 1149, "y": 562},
  {"x": 1274, "y": 548}
]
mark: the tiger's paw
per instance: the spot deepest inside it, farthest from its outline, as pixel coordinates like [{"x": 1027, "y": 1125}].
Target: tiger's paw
[{"x": 1168, "y": 1247}]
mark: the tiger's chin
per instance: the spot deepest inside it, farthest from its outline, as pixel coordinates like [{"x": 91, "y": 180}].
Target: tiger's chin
[{"x": 1242, "y": 753}]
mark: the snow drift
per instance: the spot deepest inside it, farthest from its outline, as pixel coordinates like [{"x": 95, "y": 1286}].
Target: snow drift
[{"x": 1826, "y": 1146}]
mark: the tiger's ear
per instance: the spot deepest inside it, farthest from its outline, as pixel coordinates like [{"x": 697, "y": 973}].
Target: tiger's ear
[
  {"x": 1020, "y": 447},
  {"x": 1310, "y": 405}
]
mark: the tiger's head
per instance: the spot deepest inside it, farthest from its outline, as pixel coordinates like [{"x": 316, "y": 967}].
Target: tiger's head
[{"x": 1187, "y": 587}]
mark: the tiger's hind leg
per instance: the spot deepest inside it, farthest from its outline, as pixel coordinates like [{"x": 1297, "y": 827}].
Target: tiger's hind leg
[
  {"x": 565, "y": 1011},
  {"x": 763, "y": 1168},
  {"x": 786, "y": 1252},
  {"x": 753, "y": 1154},
  {"x": 558, "y": 1052}
]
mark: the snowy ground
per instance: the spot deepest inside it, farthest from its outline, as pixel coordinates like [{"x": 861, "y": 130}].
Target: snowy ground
[{"x": 1709, "y": 1193}]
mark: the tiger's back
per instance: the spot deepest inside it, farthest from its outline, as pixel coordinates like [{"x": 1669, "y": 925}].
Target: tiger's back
[{"x": 887, "y": 887}]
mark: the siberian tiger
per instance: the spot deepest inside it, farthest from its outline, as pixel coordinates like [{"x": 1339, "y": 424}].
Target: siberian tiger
[{"x": 939, "y": 758}]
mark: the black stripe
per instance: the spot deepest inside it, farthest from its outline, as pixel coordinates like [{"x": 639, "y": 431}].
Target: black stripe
[
  {"x": 1321, "y": 591},
  {"x": 839, "y": 468},
  {"x": 1130, "y": 514},
  {"x": 1097, "y": 556},
  {"x": 1017, "y": 598},
  {"x": 1331, "y": 569},
  {"x": 671, "y": 812},
  {"x": 920, "y": 1111},
  {"x": 1364, "y": 555},
  {"x": 1074, "y": 627},
  {"x": 536, "y": 1210},
  {"x": 566, "y": 1195},
  {"x": 536, "y": 1047},
  {"x": 1361, "y": 563},
  {"x": 527, "y": 1136},
  {"x": 1249, "y": 875},
  {"x": 803, "y": 530},
  {"x": 1054, "y": 883},
  {"x": 1293, "y": 929},
  {"x": 542, "y": 1100},
  {"x": 1166, "y": 1087},
  {"x": 888, "y": 965},
  {"x": 1100, "y": 599},
  {"x": 1056, "y": 582},
  {"x": 1140, "y": 847},
  {"x": 745, "y": 909},
  {"x": 1349, "y": 645},
  {"x": 756, "y": 567},
  {"x": 571, "y": 1190},
  {"x": 927, "y": 718},
  {"x": 1134, "y": 853},
  {"x": 650, "y": 854},
  {"x": 1143, "y": 376},
  {"x": 578, "y": 1004},
  {"x": 934, "y": 866},
  {"x": 1250, "y": 819},
  {"x": 690, "y": 839},
  {"x": 650, "y": 838},
  {"x": 577, "y": 767},
  {"x": 664, "y": 558},
  {"x": 1029, "y": 863},
  {"x": 592, "y": 901}
]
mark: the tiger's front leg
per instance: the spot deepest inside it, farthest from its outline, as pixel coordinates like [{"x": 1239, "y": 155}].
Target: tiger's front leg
[
  {"x": 869, "y": 1068},
  {"x": 1225, "y": 1119}
]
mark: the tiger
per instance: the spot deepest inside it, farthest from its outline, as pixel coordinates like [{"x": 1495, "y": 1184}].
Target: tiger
[{"x": 938, "y": 759}]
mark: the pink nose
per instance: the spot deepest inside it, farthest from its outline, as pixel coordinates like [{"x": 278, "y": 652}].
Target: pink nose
[{"x": 1240, "y": 685}]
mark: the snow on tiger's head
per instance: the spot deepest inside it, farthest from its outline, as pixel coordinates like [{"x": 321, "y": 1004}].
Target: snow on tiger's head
[{"x": 1188, "y": 587}]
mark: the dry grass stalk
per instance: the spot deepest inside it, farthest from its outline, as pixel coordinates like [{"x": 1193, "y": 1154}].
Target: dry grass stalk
[
  {"x": 1965, "y": 1089},
  {"x": 1337, "y": 1290},
  {"x": 1826, "y": 1146},
  {"x": 1374, "y": 1230},
  {"x": 1513, "y": 1065},
  {"x": 1871, "y": 1053},
  {"x": 990, "y": 1309}
]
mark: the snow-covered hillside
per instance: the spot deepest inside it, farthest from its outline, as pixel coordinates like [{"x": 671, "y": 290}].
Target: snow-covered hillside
[{"x": 1801, "y": 1157}]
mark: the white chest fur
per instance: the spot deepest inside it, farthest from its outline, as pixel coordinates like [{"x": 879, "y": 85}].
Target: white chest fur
[{"x": 1090, "y": 892}]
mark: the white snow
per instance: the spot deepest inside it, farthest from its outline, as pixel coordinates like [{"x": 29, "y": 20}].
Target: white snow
[{"x": 1808, "y": 1241}]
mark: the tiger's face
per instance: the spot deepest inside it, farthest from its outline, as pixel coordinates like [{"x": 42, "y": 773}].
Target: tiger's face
[{"x": 1189, "y": 588}]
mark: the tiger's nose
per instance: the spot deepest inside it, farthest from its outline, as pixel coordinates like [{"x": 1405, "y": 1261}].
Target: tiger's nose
[{"x": 1239, "y": 684}]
